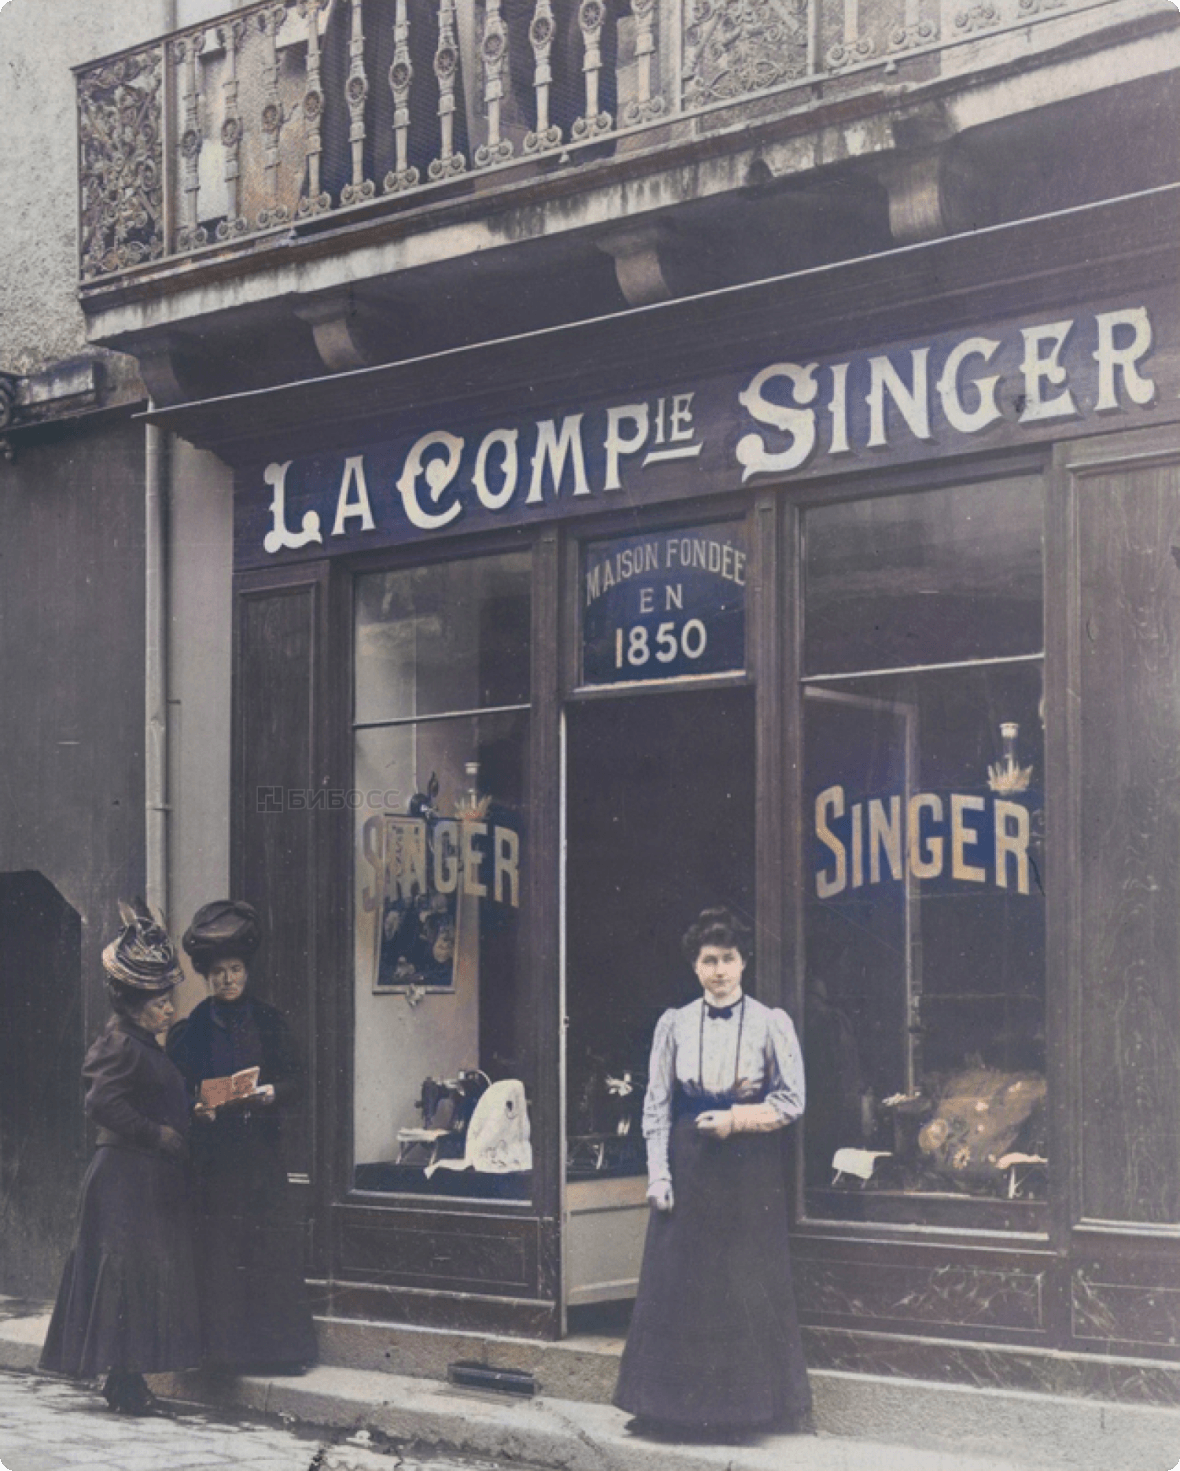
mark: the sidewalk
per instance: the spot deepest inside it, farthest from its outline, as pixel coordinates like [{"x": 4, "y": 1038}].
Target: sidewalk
[{"x": 995, "y": 1432}]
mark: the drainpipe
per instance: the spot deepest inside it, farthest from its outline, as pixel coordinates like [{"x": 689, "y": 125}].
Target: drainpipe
[
  {"x": 155, "y": 674},
  {"x": 156, "y": 666}
]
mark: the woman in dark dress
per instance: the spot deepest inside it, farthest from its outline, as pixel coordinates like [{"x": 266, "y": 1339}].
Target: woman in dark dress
[
  {"x": 714, "y": 1342},
  {"x": 127, "y": 1305},
  {"x": 249, "y": 1242}
]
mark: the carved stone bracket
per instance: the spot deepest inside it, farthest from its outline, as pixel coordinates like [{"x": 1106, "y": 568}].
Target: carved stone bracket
[
  {"x": 165, "y": 368},
  {"x": 638, "y": 267},
  {"x": 344, "y": 330},
  {"x": 930, "y": 194},
  {"x": 120, "y": 129}
]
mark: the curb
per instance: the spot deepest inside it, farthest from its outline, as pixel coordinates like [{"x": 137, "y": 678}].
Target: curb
[{"x": 886, "y": 1424}]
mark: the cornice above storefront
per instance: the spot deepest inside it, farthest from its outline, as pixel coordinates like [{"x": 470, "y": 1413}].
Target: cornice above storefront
[{"x": 1039, "y": 265}]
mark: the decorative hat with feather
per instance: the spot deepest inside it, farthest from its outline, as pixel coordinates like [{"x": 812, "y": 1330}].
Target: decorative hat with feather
[{"x": 141, "y": 957}]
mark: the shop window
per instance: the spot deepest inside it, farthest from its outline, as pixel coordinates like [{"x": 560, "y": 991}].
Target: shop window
[
  {"x": 924, "y": 863},
  {"x": 443, "y": 1069}
]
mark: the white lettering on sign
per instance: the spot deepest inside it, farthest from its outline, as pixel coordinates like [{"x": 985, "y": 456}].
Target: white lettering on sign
[
  {"x": 794, "y": 413},
  {"x": 553, "y": 450},
  {"x": 780, "y": 396},
  {"x": 912, "y": 839},
  {"x": 1039, "y": 368},
  {"x": 278, "y": 536},
  {"x": 986, "y": 411},
  {"x": 798, "y": 423},
  {"x": 439, "y": 473},
  {"x": 685, "y": 553},
  {"x": 509, "y": 468},
  {"x": 1124, "y": 360},
  {"x": 911, "y": 399},
  {"x": 618, "y": 445},
  {"x": 354, "y": 474}
]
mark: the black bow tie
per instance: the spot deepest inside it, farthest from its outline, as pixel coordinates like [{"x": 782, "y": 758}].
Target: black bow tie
[{"x": 720, "y": 1013}]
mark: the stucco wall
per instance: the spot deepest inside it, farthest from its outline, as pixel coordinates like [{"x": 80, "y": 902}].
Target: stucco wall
[
  {"x": 200, "y": 573},
  {"x": 41, "y": 323},
  {"x": 40, "y": 40}
]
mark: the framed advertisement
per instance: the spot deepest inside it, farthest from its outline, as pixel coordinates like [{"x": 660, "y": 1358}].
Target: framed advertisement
[{"x": 417, "y": 930}]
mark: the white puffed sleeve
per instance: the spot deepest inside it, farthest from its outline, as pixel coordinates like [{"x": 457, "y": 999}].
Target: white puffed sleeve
[
  {"x": 657, "y": 1103},
  {"x": 786, "y": 1092}
]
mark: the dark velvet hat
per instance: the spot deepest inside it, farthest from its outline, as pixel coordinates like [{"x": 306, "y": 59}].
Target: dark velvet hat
[
  {"x": 141, "y": 958},
  {"x": 225, "y": 927}
]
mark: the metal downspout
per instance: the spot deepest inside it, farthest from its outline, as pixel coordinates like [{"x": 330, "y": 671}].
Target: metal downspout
[
  {"x": 155, "y": 749},
  {"x": 156, "y": 666}
]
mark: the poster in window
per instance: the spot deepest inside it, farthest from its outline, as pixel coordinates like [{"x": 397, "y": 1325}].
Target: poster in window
[{"x": 417, "y": 935}]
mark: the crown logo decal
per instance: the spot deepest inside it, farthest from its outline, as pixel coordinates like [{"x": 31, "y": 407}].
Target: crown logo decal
[{"x": 1007, "y": 774}]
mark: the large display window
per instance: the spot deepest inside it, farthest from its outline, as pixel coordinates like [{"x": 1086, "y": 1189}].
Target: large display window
[
  {"x": 924, "y": 855},
  {"x": 443, "y": 1071}
]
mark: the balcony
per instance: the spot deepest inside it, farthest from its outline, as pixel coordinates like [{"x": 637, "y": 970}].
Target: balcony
[
  {"x": 311, "y": 184},
  {"x": 282, "y": 114}
]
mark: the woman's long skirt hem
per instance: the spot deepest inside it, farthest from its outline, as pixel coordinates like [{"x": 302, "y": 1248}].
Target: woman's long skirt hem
[
  {"x": 714, "y": 1341},
  {"x": 128, "y": 1297},
  {"x": 250, "y": 1262}
]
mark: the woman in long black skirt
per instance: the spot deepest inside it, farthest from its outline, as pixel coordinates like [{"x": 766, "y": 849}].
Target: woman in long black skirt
[
  {"x": 714, "y": 1342},
  {"x": 249, "y": 1242},
  {"x": 127, "y": 1305}
]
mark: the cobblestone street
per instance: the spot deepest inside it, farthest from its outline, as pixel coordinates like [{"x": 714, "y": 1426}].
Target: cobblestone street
[{"x": 49, "y": 1425}]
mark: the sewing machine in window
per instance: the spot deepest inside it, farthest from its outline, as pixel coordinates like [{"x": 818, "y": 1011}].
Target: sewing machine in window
[{"x": 446, "y": 1107}]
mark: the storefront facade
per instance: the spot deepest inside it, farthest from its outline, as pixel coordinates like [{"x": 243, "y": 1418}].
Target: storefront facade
[
  {"x": 761, "y": 488},
  {"x": 847, "y": 604}
]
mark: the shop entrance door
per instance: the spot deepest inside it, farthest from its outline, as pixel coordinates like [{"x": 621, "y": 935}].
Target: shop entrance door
[{"x": 659, "y": 825}]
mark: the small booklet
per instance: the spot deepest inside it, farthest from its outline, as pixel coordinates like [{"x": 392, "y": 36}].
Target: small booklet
[{"x": 216, "y": 1091}]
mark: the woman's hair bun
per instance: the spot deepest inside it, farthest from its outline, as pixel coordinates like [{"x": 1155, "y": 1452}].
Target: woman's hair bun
[{"x": 717, "y": 926}]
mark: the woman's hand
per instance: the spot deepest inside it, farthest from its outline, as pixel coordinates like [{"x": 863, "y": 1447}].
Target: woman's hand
[
  {"x": 264, "y": 1095},
  {"x": 205, "y": 1112},
  {"x": 659, "y": 1192},
  {"x": 717, "y": 1123},
  {"x": 171, "y": 1143}
]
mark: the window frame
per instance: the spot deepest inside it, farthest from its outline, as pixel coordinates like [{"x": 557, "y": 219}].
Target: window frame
[{"x": 929, "y": 1217}]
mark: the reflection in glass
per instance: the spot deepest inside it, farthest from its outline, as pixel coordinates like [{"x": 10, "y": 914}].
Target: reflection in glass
[
  {"x": 454, "y": 636},
  {"x": 924, "y": 905},
  {"x": 443, "y": 1068},
  {"x": 924, "y": 578}
]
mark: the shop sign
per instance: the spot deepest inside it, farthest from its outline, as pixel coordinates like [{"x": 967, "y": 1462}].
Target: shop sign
[
  {"x": 786, "y": 416},
  {"x": 937, "y": 838},
  {"x": 665, "y": 605}
]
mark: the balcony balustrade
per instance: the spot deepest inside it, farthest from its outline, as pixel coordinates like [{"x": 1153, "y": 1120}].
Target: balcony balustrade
[{"x": 286, "y": 111}]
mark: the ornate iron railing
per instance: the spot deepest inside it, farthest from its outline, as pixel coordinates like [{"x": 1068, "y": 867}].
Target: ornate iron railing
[{"x": 290, "y": 109}]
